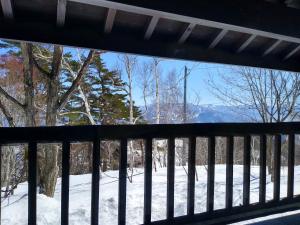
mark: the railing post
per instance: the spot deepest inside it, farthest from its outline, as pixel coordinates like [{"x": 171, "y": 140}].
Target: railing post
[
  {"x": 277, "y": 164},
  {"x": 65, "y": 182},
  {"x": 291, "y": 164},
  {"x": 191, "y": 176},
  {"x": 148, "y": 182},
  {"x": 210, "y": 174},
  {"x": 262, "y": 171},
  {"x": 170, "y": 178},
  {"x": 122, "y": 182},
  {"x": 95, "y": 183},
  {"x": 246, "y": 186},
  {"x": 229, "y": 172},
  {"x": 32, "y": 157}
]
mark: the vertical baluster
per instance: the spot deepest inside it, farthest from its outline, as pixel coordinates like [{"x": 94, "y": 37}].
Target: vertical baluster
[
  {"x": 262, "y": 171},
  {"x": 291, "y": 162},
  {"x": 277, "y": 163},
  {"x": 95, "y": 183},
  {"x": 191, "y": 176},
  {"x": 122, "y": 182},
  {"x": 210, "y": 174},
  {"x": 65, "y": 182},
  {"x": 229, "y": 172},
  {"x": 148, "y": 182},
  {"x": 170, "y": 178},
  {"x": 32, "y": 157},
  {"x": 246, "y": 186}
]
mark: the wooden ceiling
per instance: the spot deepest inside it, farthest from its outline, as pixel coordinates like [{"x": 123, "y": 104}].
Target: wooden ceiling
[{"x": 255, "y": 33}]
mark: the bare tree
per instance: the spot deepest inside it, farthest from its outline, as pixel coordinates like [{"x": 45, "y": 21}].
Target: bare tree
[
  {"x": 48, "y": 168},
  {"x": 129, "y": 63},
  {"x": 38, "y": 59},
  {"x": 272, "y": 95},
  {"x": 156, "y": 75},
  {"x": 66, "y": 65},
  {"x": 145, "y": 81}
]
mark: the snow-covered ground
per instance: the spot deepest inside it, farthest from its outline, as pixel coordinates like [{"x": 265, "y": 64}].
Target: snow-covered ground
[{"x": 14, "y": 209}]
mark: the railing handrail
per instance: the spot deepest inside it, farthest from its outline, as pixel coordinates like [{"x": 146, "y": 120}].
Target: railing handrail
[{"x": 143, "y": 131}]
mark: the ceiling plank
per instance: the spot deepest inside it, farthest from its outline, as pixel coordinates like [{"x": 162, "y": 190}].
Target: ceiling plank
[
  {"x": 151, "y": 27},
  {"x": 61, "y": 12},
  {"x": 7, "y": 9},
  {"x": 292, "y": 52},
  {"x": 110, "y": 18},
  {"x": 186, "y": 33},
  {"x": 246, "y": 43},
  {"x": 218, "y": 38},
  {"x": 236, "y": 15},
  {"x": 79, "y": 36},
  {"x": 272, "y": 47}
]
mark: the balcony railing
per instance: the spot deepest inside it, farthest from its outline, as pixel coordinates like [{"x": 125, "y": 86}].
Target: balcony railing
[{"x": 124, "y": 133}]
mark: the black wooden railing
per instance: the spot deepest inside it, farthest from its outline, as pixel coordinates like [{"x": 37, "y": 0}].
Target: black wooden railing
[{"x": 95, "y": 134}]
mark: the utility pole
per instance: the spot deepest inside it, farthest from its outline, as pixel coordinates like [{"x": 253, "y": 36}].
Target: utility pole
[
  {"x": 185, "y": 143},
  {"x": 184, "y": 94}
]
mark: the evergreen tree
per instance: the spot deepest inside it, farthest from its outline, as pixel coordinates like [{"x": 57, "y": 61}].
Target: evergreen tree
[{"x": 104, "y": 90}]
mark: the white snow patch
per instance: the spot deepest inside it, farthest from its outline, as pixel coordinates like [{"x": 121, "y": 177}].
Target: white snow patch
[{"x": 14, "y": 209}]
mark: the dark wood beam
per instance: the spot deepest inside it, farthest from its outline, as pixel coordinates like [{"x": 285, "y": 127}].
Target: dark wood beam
[
  {"x": 7, "y": 9},
  {"x": 86, "y": 37},
  {"x": 186, "y": 33},
  {"x": 272, "y": 47},
  {"x": 259, "y": 18},
  {"x": 246, "y": 43},
  {"x": 61, "y": 12},
  {"x": 110, "y": 18},
  {"x": 292, "y": 52},
  {"x": 151, "y": 27}
]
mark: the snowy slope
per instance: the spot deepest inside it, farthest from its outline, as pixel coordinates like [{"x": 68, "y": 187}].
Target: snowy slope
[{"x": 14, "y": 209}]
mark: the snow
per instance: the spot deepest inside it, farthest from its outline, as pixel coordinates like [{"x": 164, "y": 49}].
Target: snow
[{"x": 14, "y": 209}]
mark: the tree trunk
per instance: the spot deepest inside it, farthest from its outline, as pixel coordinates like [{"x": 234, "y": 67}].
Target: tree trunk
[
  {"x": 157, "y": 95},
  {"x": 270, "y": 157},
  {"x": 28, "y": 84},
  {"x": 49, "y": 166}
]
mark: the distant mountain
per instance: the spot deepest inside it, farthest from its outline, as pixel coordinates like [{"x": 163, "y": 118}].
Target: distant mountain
[
  {"x": 203, "y": 114},
  {"x": 224, "y": 114}
]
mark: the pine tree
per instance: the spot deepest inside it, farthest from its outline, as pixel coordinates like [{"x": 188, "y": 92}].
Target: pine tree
[{"x": 104, "y": 90}]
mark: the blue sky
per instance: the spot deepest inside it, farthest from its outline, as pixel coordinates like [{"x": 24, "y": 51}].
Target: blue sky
[{"x": 197, "y": 80}]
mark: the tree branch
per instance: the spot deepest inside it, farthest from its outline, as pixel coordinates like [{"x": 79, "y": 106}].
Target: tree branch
[
  {"x": 76, "y": 82},
  {"x": 42, "y": 70},
  {"x": 11, "y": 99},
  {"x": 7, "y": 115}
]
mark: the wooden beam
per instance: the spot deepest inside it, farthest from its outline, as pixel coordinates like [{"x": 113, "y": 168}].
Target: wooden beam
[
  {"x": 151, "y": 27},
  {"x": 7, "y": 9},
  {"x": 218, "y": 38},
  {"x": 186, "y": 33},
  {"x": 110, "y": 18},
  {"x": 61, "y": 12},
  {"x": 292, "y": 52},
  {"x": 236, "y": 15},
  {"x": 272, "y": 47},
  {"x": 246, "y": 43},
  {"x": 78, "y": 36}
]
